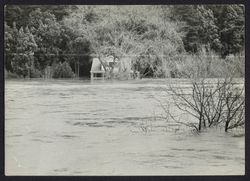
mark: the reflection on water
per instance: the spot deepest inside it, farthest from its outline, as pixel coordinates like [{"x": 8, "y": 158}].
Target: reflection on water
[{"x": 107, "y": 128}]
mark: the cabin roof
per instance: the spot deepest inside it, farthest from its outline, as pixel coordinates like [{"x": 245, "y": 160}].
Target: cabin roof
[{"x": 96, "y": 66}]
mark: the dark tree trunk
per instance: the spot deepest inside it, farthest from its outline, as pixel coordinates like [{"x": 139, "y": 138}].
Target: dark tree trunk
[
  {"x": 78, "y": 69},
  {"x": 200, "y": 124},
  {"x": 226, "y": 126}
]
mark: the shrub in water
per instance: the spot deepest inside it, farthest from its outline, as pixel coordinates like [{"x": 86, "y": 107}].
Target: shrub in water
[
  {"x": 10, "y": 75},
  {"x": 211, "y": 103},
  {"x": 35, "y": 73},
  {"x": 63, "y": 70}
]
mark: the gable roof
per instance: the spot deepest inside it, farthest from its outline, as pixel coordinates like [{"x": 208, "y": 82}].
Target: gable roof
[{"x": 96, "y": 66}]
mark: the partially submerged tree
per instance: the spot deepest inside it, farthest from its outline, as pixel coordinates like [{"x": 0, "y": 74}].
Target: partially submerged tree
[
  {"x": 234, "y": 106},
  {"x": 210, "y": 104}
]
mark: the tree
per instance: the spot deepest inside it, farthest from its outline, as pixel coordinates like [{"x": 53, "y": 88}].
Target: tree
[
  {"x": 11, "y": 35},
  {"x": 232, "y": 30},
  {"x": 62, "y": 70},
  {"x": 220, "y": 27},
  {"x": 46, "y": 31},
  {"x": 137, "y": 33},
  {"x": 20, "y": 13},
  {"x": 234, "y": 99},
  {"x": 17, "y": 14},
  {"x": 209, "y": 31},
  {"x": 210, "y": 104},
  {"x": 60, "y": 11},
  {"x": 79, "y": 49},
  {"x": 200, "y": 27},
  {"x": 23, "y": 59}
]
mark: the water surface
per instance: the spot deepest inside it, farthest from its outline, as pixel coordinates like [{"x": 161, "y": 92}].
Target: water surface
[{"x": 63, "y": 127}]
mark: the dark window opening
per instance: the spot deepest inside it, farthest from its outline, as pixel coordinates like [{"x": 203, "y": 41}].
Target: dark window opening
[{"x": 98, "y": 74}]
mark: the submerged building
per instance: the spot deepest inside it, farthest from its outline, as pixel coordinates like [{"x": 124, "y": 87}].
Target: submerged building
[
  {"x": 113, "y": 68},
  {"x": 97, "y": 70}
]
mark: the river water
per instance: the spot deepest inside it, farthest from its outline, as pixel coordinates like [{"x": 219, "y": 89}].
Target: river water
[{"x": 65, "y": 127}]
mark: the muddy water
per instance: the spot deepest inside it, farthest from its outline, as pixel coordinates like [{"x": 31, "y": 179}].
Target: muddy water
[{"x": 107, "y": 128}]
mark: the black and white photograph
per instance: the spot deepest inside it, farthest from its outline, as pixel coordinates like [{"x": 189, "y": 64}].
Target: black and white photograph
[{"x": 124, "y": 90}]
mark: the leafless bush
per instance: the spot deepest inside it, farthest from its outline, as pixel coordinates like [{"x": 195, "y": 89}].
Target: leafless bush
[
  {"x": 176, "y": 118},
  {"x": 146, "y": 126},
  {"x": 234, "y": 107},
  {"x": 210, "y": 103}
]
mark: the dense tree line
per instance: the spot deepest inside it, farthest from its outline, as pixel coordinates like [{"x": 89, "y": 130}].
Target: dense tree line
[
  {"x": 220, "y": 27},
  {"x": 154, "y": 37}
]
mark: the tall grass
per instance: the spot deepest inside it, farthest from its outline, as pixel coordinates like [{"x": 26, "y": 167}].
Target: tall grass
[{"x": 207, "y": 64}]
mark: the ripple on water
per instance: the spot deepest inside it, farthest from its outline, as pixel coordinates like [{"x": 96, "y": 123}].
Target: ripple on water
[
  {"x": 75, "y": 122},
  {"x": 67, "y": 136},
  {"x": 41, "y": 140},
  {"x": 184, "y": 149},
  {"x": 61, "y": 170},
  {"x": 15, "y": 135}
]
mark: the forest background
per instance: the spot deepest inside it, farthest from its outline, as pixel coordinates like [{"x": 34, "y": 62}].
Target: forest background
[{"x": 179, "y": 41}]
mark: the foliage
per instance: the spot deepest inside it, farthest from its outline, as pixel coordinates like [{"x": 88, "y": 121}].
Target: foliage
[
  {"x": 35, "y": 73},
  {"x": 220, "y": 27},
  {"x": 157, "y": 41},
  {"x": 46, "y": 32},
  {"x": 17, "y": 14},
  {"x": 201, "y": 30},
  {"x": 10, "y": 36},
  {"x": 232, "y": 34},
  {"x": 10, "y": 75},
  {"x": 20, "y": 14},
  {"x": 208, "y": 64},
  {"x": 20, "y": 47},
  {"x": 62, "y": 70},
  {"x": 134, "y": 35}
]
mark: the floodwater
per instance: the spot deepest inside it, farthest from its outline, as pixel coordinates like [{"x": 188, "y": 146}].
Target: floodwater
[{"x": 65, "y": 127}]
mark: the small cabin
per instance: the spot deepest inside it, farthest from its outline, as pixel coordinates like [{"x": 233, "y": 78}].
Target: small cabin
[
  {"x": 97, "y": 70},
  {"x": 118, "y": 68}
]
